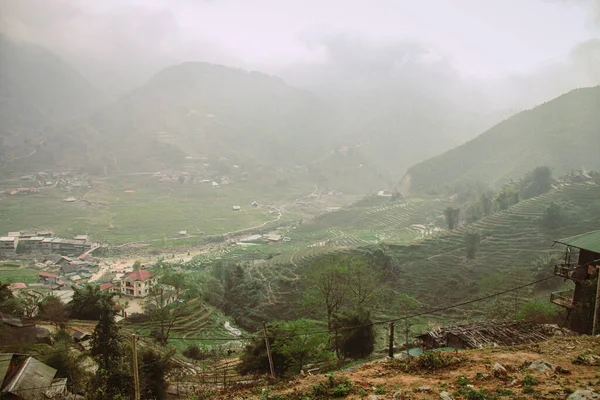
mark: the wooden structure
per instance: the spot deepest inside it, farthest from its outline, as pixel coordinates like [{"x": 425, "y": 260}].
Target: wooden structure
[
  {"x": 580, "y": 265},
  {"x": 489, "y": 334}
]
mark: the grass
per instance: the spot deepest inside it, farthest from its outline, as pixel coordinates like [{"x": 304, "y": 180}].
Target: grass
[
  {"x": 511, "y": 240},
  {"x": 11, "y": 272},
  {"x": 153, "y": 211},
  {"x": 202, "y": 322}
]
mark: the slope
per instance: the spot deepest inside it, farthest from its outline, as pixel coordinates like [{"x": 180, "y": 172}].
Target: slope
[
  {"x": 563, "y": 134},
  {"x": 36, "y": 88},
  {"x": 510, "y": 241},
  {"x": 467, "y": 374},
  {"x": 201, "y": 111}
]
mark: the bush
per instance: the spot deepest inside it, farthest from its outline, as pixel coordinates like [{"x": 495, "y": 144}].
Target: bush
[
  {"x": 195, "y": 353},
  {"x": 332, "y": 387},
  {"x": 554, "y": 216},
  {"x": 290, "y": 349},
  {"x": 357, "y": 342},
  {"x": 538, "y": 311},
  {"x": 472, "y": 240}
]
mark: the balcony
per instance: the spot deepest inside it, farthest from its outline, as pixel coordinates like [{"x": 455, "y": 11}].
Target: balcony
[
  {"x": 566, "y": 271},
  {"x": 563, "y": 298}
]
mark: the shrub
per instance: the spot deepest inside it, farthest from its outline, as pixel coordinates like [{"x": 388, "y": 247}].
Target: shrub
[
  {"x": 332, "y": 387},
  {"x": 290, "y": 349},
  {"x": 472, "y": 240},
  {"x": 538, "y": 311},
  {"x": 358, "y": 342},
  {"x": 195, "y": 353}
]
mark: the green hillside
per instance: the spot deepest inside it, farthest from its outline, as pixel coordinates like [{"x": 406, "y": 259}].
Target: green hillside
[
  {"x": 433, "y": 269},
  {"x": 510, "y": 241},
  {"x": 563, "y": 134},
  {"x": 36, "y": 88},
  {"x": 200, "y": 111}
]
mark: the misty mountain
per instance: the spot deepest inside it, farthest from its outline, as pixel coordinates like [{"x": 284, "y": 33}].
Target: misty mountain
[
  {"x": 563, "y": 134},
  {"x": 38, "y": 88},
  {"x": 198, "y": 111},
  {"x": 395, "y": 103}
]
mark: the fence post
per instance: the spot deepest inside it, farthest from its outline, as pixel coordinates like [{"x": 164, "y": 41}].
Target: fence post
[
  {"x": 335, "y": 343},
  {"x": 597, "y": 303},
  {"x": 269, "y": 355},
  {"x": 136, "y": 377},
  {"x": 391, "y": 343}
]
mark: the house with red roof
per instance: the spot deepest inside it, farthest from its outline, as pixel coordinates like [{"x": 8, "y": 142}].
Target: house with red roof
[
  {"x": 138, "y": 283},
  {"x": 47, "y": 277}
]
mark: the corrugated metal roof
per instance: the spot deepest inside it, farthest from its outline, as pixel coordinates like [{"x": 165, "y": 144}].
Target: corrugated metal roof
[
  {"x": 31, "y": 380},
  {"x": 587, "y": 241},
  {"x": 5, "y": 359}
]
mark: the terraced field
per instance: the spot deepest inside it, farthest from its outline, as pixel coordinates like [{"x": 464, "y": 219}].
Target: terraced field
[
  {"x": 391, "y": 222},
  {"x": 510, "y": 238},
  {"x": 202, "y": 321}
]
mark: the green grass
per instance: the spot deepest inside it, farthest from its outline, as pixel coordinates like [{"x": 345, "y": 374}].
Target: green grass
[
  {"x": 155, "y": 211},
  {"x": 511, "y": 240},
  {"x": 561, "y": 134},
  {"x": 203, "y": 321},
  {"x": 11, "y": 272}
]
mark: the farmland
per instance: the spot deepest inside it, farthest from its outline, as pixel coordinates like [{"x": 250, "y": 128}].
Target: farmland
[
  {"x": 200, "y": 321},
  {"x": 127, "y": 209},
  {"x": 510, "y": 240},
  {"x": 11, "y": 272}
]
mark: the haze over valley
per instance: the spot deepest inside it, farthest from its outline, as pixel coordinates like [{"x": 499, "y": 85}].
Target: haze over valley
[{"x": 266, "y": 188}]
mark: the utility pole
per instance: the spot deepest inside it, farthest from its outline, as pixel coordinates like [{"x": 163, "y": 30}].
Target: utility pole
[
  {"x": 406, "y": 333},
  {"x": 136, "y": 377},
  {"x": 391, "y": 344},
  {"x": 597, "y": 305},
  {"x": 271, "y": 366}
]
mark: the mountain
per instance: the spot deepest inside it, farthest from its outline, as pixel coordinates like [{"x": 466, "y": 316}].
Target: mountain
[
  {"x": 563, "y": 134},
  {"x": 37, "y": 88},
  {"x": 197, "y": 111}
]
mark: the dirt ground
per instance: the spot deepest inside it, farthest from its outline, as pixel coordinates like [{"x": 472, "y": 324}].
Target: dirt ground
[{"x": 468, "y": 374}]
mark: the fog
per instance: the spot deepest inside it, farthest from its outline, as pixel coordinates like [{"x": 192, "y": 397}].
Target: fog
[{"x": 496, "y": 55}]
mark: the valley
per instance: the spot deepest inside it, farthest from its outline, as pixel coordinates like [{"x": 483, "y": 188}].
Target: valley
[{"x": 208, "y": 230}]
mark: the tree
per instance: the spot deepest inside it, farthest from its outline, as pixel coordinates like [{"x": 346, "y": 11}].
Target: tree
[
  {"x": 137, "y": 265},
  {"x": 86, "y": 303},
  {"x": 290, "y": 348},
  {"x": 9, "y": 303},
  {"x": 106, "y": 344},
  {"x": 327, "y": 280},
  {"x": 53, "y": 309},
  {"x": 162, "y": 312},
  {"x": 537, "y": 182},
  {"x": 507, "y": 197},
  {"x": 452, "y": 215},
  {"x": 554, "y": 217},
  {"x": 30, "y": 302},
  {"x": 358, "y": 341},
  {"x": 22, "y": 248},
  {"x": 154, "y": 368},
  {"x": 363, "y": 281},
  {"x": 538, "y": 311},
  {"x": 472, "y": 240},
  {"x": 487, "y": 203},
  {"x": 5, "y": 292}
]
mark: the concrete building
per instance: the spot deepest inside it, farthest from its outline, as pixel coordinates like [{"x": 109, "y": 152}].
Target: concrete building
[
  {"x": 138, "y": 283},
  {"x": 8, "y": 245}
]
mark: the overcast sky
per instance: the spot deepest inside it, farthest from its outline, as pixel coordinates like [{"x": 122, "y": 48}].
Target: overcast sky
[{"x": 480, "y": 39}]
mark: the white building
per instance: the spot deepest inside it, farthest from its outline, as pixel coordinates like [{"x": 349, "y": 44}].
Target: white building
[{"x": 138, "y": 283}]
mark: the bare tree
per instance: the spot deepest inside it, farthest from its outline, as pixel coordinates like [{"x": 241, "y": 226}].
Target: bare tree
[
  {"x": 363, "y": 281},
  {"x": 163, "y": 311},
  {"x": 328, "y": 280}
]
